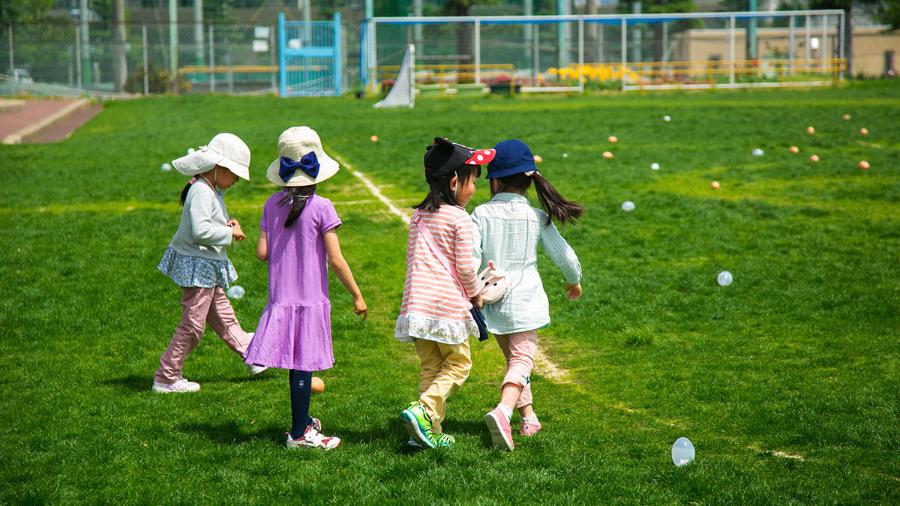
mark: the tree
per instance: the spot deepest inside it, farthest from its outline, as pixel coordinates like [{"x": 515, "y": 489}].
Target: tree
[
  {"x": 885, "y": 7},
  {"x": 463, "y": 37},
  {"x": 15, "y": 11}
]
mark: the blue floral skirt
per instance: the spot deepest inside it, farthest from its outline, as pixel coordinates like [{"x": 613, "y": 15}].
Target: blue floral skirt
[{"x": 187, "y": 271}]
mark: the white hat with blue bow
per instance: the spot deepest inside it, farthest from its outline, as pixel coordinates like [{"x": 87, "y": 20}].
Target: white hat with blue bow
[{"x": 301, "y": 161}]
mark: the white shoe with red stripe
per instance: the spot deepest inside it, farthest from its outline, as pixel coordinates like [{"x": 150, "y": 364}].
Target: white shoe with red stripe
[
  {"x": 313, "y": 439},
  {"x": 501, "y": 432}
]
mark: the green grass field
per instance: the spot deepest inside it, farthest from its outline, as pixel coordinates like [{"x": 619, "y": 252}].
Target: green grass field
[{"x": 786, "y": 381}]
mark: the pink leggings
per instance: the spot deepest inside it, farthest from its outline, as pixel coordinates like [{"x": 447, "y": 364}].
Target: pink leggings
[
  {"x": 519, "y": 349},
  {"x": 199, "y": 307}
]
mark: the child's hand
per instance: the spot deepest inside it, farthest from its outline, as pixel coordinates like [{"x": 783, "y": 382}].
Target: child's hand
[
  {"x": 360, "y": 308},
  {"x": 478, "y": 301},
  {"x": 573, "y": 291},
  {"x": 236, "y": 232}
]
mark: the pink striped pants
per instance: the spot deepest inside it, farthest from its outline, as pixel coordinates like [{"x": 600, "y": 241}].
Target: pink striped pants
[{"x": 199, "y": 307}]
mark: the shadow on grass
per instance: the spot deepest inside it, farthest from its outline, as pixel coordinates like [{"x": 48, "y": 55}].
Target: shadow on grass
[
  {"x": 133, "y": 383},
  {"x": 229, "y": 433}
]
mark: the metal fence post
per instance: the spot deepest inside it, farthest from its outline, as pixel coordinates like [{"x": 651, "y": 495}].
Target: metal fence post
[
  {"x": 843, "y": 72},
  {"x": 477, "y": 50},
  {"x": 581, "y": 54},
  {"x": 337, "y": 53},
  {"x": 282, "y": 63},
  {"x": 806, "y": 64},
  {"x": 731, "y": 56},
  {"x": 212, "y": 59},
  {"x": 274, "y": 80},
  {"x": 624, "y": 48},
  {"x": 146, "y": 65},
  {"x": 78, "y": 55},
  {"x": 12, "y": 57},
  {"x": 791, "y": 43},
  {"x": 824, "y": 44}
]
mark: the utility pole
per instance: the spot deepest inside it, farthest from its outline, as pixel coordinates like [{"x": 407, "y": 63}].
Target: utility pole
[
  {"x": 85, "y": 44},
  {"x": 198, "y": 33},
  {"x": 120, "y": 72},
  {"x": 173, "y": 42},
  {"x": 751, "y": 32}
]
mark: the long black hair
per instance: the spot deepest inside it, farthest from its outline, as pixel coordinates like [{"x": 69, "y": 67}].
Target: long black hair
[
  {"x": 555, "y": 205},
  {"x": 296, "y": 197},
  {"x": 439, "y": 187}
]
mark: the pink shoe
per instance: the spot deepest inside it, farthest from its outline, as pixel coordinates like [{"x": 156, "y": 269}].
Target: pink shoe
[
  {"x": 501, "y": 432},
  {"x": 529, "y": 428}
]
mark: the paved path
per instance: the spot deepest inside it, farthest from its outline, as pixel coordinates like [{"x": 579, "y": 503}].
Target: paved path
[{"x": 33, "y": 113}]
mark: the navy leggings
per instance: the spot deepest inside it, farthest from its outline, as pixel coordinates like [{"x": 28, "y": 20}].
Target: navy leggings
[{"x": 301, "y": 390}]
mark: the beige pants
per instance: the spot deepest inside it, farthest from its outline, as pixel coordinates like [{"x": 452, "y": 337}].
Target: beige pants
[
  {"x": 199, "y": 307},
  {"x": 443, "y": 368}
]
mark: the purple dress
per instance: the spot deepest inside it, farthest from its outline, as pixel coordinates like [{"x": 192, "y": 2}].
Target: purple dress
[{"x": 294, "y": 330}]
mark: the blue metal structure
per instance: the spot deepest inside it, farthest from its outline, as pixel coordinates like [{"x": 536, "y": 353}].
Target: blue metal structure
[{"x": 309, "y": 57}]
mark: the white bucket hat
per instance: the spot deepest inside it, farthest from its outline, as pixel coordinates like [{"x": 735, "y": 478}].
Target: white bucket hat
[
  {"x": 227, "y": 150},
  {"x": 301, "y": 161}
]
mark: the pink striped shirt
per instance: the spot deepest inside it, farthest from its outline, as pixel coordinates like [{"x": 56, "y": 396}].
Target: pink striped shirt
[{"x": 433, "y": 306}]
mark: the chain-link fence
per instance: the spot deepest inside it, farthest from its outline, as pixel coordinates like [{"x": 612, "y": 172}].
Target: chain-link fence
[{"x": 70, "y": 58}]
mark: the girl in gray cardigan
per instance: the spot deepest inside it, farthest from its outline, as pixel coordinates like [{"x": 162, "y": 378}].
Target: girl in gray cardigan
[{"x": 196, "y": 259}]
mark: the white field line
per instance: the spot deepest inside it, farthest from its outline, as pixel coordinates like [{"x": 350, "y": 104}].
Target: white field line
[{"x": 543, "y": 364}]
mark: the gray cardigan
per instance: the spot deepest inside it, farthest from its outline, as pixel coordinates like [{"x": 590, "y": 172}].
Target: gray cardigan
[{"x": 204, "y": 230}]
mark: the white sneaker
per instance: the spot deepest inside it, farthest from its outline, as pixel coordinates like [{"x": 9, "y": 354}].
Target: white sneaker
[
  {"x": 312, "y": 439},
  {"x": 256, "y": 370},
  {"x": 179, "y": 387}
]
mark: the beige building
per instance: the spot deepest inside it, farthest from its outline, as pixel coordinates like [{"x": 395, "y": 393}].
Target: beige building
[{"x": 875, "y": 50}]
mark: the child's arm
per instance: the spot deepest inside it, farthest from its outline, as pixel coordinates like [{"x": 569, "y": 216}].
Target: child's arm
[
  {"x": 564, "y": 257},
  {"x": 466, "y": 269},
  {"x": 476, "y": 241},
  {"x": 342, "y": 271},
  {"x": 203, "y": 230},
  {"x": 262, "y": 247}
]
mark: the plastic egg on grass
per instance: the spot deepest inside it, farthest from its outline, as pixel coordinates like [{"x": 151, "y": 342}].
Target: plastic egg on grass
[
  {"x": 794, "y": 149},
  {"x": 724, "y": 278},
  {"x": 538, "y": 159},
  {"x": 810, "y": 130},
  {"x": 166, "y": 167},
  {"x": 612, "y": 139},
  {"x": 845, "y": 117},
  {"x": 565, "y": 155},
  {"x": 814, "y": 158},
  {"x": 715, "y": 185},
  {"x": 608, "y": 155},
  {"x": 667, "y": 118},
  {"x": 628, "y": 206},
  {"x": 374, "y": 138},
  {"x": 864, "y": 165},
  {"x": 235, "y": 292},
  {"x": 758, "y": 152},
  {"x": 683, "y": 452},
  {"x": 864, "y": 131},
  {"x": 654, "y": 166},
  {"x": 317, "y": 385}
]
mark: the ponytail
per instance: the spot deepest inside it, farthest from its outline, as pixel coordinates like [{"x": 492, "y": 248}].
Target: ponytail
[
  {"x": 297, "y": 197},
  {"x": 185, "y": 190},
  {"x": 554, "y": 204}
]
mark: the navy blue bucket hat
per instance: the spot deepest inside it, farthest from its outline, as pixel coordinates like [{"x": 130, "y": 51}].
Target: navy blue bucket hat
[{"x": 512, "y": 157}]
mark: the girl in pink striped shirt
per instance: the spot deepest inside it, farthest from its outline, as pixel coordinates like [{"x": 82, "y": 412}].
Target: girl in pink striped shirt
[{"x": 440, "y": 280}]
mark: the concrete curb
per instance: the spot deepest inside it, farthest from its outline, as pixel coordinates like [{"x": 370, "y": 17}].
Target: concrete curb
[{"x": 17, "y": 137}]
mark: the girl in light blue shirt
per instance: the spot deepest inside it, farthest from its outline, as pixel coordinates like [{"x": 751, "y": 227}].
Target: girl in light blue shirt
[{"x": 507, "y": 232}]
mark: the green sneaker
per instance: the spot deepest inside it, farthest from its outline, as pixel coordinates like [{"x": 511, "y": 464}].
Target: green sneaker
[
  {"x": 445, "y": 440},
  {"x": 418, "y": 424}
]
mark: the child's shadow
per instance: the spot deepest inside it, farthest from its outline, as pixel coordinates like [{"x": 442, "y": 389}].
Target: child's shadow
[
  {"x": 133, "y": 383},
  {"x": 230, "y": 433}
]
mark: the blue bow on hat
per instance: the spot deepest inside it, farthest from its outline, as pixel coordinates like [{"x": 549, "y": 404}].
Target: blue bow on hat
[{"x": 309, "y": 164}]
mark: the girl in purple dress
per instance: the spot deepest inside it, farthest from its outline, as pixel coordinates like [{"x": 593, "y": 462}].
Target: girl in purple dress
[{"x": 298, "y": 234}]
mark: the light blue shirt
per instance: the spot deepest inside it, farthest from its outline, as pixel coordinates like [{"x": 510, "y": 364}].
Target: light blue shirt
[{"x": 507, "y": 230}]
